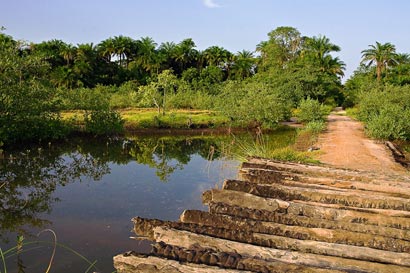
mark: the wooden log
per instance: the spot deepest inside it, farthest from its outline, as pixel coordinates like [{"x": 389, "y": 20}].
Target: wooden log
[
  {"x": 310, "y": 210},
  {"x": 229, "y": 260},
  {"x": 235, "y": 198},
  {"x": 373, "y": 248},
  {"x": 188, "y": 239},
  {"x": 150, "y": 264},
  {"x": 264, "y": 176},
  {"x": 385, "y": 212},
  {"x": 341, "y": 197},
  {"x": 336, "y": 236},
  {"x": 300, "y": 220},
  {"x": 246, "y": 235},
  {"x": 323, "y": 171}
]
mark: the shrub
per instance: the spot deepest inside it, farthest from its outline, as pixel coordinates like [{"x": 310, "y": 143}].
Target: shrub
[
  {"x": 102, "y": 122},
  {"x": 311, "y": 110},
  {"x": 315, "y": 126},
  {"x": 385, "y": 110},
  {"x": 390, "y": 123}
]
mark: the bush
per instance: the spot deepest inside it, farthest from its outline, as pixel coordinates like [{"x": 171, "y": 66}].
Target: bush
[
  {"x": 315, "y": 126},
  {"x": 390, "y": 123},
  {"x": 28, "y": 107},
  {"x": 385, "y": 111},
  {"x": 311, "y": 110},
  {"x": 102, "y": 122},
  {"x": 253, "y": 103}
]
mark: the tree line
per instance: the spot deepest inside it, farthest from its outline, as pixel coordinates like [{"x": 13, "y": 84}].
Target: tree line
[{"x": 264, "y": 87}]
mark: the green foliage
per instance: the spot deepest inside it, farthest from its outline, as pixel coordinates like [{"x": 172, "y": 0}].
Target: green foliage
[
  {"x": 126, "y": 96},
  {"x": 86, "y": 98},
  {"x": 103, "y": 122},
  {"x": 249, "y": 102},
  {"x": 280, "y": 147},
  {"x": 386, "y": 111},
  {"x": 311, "y": 110},
  {"x": 183, "y": 119},
  {"x": 315, "y": 126},
  {"x": 28, "y": 108}
]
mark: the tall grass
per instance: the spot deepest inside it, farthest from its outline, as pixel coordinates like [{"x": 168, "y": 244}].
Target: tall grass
[
  {"x": 284, "y": 145},
  {"x": 22, "y": 247}
]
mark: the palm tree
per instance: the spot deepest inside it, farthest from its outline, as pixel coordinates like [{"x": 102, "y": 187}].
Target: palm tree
[
  {"x": 68, "y": 52},
  {"x": 244, "y": 64},
  {"x": 216, "y": 56},
  {"x": 122, "y": 48},
  {"x": 106, "y": 49},
  {"x": 186, "y": 55},
  {"x": 147, "y": 55},
  {"x": 381, "y": 55},
  {"x": 334, "y": 66},
  {"x": 402, "y": 58},
  {"x": 319, "y": 47},
  {"x": 167, "y": 54}
]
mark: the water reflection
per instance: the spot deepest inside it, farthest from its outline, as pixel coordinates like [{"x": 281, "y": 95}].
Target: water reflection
[
  {"x": 87, "y": 190},
  {"x": 28, "y": 178}
]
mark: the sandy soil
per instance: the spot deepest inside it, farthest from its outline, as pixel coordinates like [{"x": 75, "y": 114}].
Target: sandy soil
[{"x": 344, "y": 145}]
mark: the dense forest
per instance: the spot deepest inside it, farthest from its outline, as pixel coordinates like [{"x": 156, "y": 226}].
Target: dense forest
[{"x": 288, "y": 74}]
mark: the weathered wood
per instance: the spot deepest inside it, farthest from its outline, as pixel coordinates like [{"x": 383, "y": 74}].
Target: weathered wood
[
  {"x": 385, "y": 212},
  {"x": 341, "y": 197},
  {"x": 298, "y": 220},
  {"x": 313, "y": 210},
  {"x": 284, "y": 241},
  {"x": 287, "y": 217},
  {"x": 323, "y": 171},
  {"x": 345, "y": 214},
  {"x": 297, "y": 232},
  {"x": 150, "y": 264},
  {"x": 188, "y": 239},
  {"x": 235, "y": 198},
  {"x": 229, "y": 260},
  {"x": 265, "y": 176}
]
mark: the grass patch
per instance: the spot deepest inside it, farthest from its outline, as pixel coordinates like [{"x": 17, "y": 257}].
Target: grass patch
[
  {"x": 138, "y": 118},
  {"x": 279, "y": 146},
  {"x": 288, "y": 145}
]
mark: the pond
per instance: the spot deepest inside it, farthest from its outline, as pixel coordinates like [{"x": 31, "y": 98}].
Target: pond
[{"x": 85, "y": 191}]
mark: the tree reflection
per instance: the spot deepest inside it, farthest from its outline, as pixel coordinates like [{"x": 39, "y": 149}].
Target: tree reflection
[
  {"x": 29, "y": 177},
  {"x": 166, "y": 155}
]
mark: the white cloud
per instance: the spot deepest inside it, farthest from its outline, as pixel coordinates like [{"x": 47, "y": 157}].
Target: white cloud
[{"x": 210, "y": 4}]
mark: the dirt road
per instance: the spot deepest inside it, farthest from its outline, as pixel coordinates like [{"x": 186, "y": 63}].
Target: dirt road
[{"x": 344, "y": 145}]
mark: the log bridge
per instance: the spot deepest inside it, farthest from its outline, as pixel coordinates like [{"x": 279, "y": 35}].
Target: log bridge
[{"x": 285, "y": 217}]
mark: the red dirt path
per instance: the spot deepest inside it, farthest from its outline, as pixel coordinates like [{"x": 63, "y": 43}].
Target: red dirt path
[{"x": 344, "y": 145}]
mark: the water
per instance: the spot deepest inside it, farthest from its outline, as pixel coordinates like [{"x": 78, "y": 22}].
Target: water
[{"x": 87, "y": 190}]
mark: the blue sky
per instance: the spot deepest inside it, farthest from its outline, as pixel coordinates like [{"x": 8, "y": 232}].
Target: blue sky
[{"x": 232, "y": 24}]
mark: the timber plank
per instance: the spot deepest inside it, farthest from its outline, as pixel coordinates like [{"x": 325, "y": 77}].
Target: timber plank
[
  {"x": 264, "y": 176},
  {"x": 188, "y": 239},
  {"x": 340, "y": 197}
]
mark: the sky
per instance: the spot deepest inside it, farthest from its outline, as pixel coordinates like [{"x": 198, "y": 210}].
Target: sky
[{"x": 233, "y": 24}]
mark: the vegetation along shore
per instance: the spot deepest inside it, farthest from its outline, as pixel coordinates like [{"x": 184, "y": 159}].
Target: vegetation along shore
[{"x": 51, "y": 89}]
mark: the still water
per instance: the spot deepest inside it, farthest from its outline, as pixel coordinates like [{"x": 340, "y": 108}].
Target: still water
[{"x": 87, "y": 190}]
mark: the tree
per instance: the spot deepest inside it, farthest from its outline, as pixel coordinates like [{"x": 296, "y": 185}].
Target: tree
[
  {"x": 185, "y": 55},
  {"x": 106, "y": 49},
  {"x": 283, "y": 46},
  {"x": 122, "y": 48},
  {"x": 244, "y": 64},
  {"x": 320, "y": 47},
  {"x": 381, "y": 55},
  {"x": 28, "y": 109},
  {"x": 157, "y": 91},
  {"x": 69, "y": 52},
  {"x": 147, "y": 55}
]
